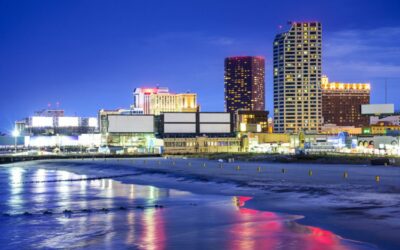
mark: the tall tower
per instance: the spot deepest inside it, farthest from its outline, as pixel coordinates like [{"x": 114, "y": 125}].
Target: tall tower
[
  {"x": 244, "y": 83},
  {"x": 297, "y": 78}
]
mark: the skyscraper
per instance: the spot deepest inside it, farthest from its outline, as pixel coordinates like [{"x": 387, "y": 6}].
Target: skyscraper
[
  {"x": 341, "y": 103},
  {"x": 297, "y": 78},
  {"x": 244, "y": 83}
]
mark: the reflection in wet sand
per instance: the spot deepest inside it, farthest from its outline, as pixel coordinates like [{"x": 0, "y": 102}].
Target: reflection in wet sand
[
  {"x": 272, "y": 231},
  {"x": 109, "y": 214}
]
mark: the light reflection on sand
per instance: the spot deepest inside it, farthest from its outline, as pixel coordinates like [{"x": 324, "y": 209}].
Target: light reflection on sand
[{"x": 115, "y": 221}]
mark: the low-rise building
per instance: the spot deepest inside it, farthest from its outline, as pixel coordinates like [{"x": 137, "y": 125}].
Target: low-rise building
[
  {"x": 381, "y": 129},
  {"x": 251, "y": 121},
  {"x": 53, "y": 122},
  {"x": 201, "y": 144},
  {"x": 133, "y": 133},
  {"x": 390, "y": 120},
  {"x": 333, "y": 129},
  {"x": 192, "y": 124}
]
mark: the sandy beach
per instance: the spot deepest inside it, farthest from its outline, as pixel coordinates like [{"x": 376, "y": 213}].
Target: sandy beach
[{"x": 345, "y": 199}]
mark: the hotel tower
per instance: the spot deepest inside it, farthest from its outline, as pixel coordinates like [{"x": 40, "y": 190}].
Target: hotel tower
[
  {"x": 297, "y": 78},
  {"x": 244, "y": 83}
]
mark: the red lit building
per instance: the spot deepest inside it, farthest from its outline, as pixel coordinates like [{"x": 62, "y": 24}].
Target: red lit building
[{"x": 244, "y": 83}]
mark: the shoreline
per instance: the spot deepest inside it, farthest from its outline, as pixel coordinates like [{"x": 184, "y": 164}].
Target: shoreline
[
  {"x": 270, "y": 194},
  {"x": 241, "y": 157}
]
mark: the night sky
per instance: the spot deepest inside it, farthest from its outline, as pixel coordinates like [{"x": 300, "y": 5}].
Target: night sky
[{"x": 90, "y": 55}]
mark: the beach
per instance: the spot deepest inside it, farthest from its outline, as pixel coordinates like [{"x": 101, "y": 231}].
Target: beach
[{"x": 343, "y": 199}]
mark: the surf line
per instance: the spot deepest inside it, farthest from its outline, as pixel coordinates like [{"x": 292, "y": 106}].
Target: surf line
[{"x": 80, "y": 179}]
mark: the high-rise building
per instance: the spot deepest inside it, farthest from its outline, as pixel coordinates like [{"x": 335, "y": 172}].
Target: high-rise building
[
  {"x": 341, "y": 103},
  {"x": 244, "y": 83},
  {"x": 297, "y": 78},
  {"x": 158, "y": 100}
]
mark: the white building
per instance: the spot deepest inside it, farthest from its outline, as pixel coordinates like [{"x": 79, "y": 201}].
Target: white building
[{"x": 297, "y": 78}]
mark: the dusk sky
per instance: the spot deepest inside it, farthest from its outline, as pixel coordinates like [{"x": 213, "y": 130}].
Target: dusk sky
[{"x": 90, "y": 55}]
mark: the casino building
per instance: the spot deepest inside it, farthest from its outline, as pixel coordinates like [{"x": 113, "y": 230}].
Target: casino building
[
  {"x": 244, "y": 83},
  {"x": 341, "y": 103},
  {"x": 154, "y": 101}
]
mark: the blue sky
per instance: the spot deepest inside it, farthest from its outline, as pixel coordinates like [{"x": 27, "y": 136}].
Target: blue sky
[{"x": 89, "y": 55}]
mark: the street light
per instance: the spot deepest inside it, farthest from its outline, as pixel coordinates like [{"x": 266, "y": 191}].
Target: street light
[{"x": 15, "y": 134}]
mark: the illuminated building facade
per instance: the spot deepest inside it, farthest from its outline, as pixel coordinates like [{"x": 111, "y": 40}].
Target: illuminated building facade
[
  {"x": 158, "y": 100},
  {"x": 128, "y": 131},
  {"x": 251, "y": 121},
  {"x": 332, "y": 129},
  {"x": 244, "y": 83},
  {"x": 390, "y": 120},
  {"x": 53, "y": 122},
  {"x": 202, "y": 144},
  {"x": 297, "y": 78},
  {"x": 381, "y": 129},
  {"x": 341, "y": 103}
]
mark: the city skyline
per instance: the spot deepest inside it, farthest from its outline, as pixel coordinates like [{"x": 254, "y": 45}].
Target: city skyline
[{"x": 47, "y": 62}]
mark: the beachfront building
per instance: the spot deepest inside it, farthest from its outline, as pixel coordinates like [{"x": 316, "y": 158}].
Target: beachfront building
[
  {"x": 251, "y": 121},
  {"x": 157, "y": 100},
  {"x": 125, "y": 131},
  {"x": 381, "y": 128},
  {"x": 244, "y": 83},
  {"x": 389, "y": 120},
  {"x": 297, "y": 78},
  {"x": 341, "y": 103},
  {"x": 333, "y": 129},
  {"x": 198, "y": 132},
  {"x": 192, "y": 124},
  {"x": 201, "y": 144},
  {"x": 265, "y": 142},
  {"x": 54, "y": 122}
]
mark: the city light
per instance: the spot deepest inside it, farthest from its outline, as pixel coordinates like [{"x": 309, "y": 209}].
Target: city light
[
  {"x": 15, "y": 133},
  {"x": 68, "y": 121}
]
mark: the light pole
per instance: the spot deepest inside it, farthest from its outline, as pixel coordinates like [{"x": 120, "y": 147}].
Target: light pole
[{"x": 15, "y": 134}]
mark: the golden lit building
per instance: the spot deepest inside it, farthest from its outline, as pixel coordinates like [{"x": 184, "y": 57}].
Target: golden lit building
[
  {"x": 341, "y": 102},
  {"x": 158, "y": 100},
  {"x": 251, "y": 121},
  {"x": 332, "y": 129},
  {"x": 381, "y": 129},
  {"x": 201, "y": 144}
]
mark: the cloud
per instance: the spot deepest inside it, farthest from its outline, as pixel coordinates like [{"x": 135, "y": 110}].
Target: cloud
[
  {"x": 366, "y": 54},
  {"x": 195, "y": 37}
]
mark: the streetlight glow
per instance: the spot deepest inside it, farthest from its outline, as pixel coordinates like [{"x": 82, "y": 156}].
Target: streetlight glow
[{"x": 15, "y": 133}]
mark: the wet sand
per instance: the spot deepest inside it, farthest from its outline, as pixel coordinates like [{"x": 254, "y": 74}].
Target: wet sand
[{"x": 356, "y": 207}]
